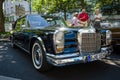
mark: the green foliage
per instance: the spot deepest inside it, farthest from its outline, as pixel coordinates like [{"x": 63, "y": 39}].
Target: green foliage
[
  {"x": 52, "y": 6},
  {"x": 5, "y": 34},
  {"x": 109, "y": 7},
  {"x": 100, "y": 3},
  {"x": 6, "y": 19}
]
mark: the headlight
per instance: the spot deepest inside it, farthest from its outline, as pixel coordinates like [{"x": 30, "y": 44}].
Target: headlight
[
  {"x": 108, "y": 37},
  {"x": 79, "y": 38},
  {"x": 59, "y": 41}
]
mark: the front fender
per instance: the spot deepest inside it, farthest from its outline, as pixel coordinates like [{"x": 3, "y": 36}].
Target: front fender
[{"x": 38, "y": 39}]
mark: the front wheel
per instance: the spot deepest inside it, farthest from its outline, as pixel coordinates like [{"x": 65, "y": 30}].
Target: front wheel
[{"x": 39, "y": 58}]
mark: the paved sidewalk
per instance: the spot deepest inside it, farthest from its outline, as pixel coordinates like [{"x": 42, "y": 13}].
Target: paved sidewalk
[
  {"x": 4, "y": 39},
  {"x": 7, "y": 78}
]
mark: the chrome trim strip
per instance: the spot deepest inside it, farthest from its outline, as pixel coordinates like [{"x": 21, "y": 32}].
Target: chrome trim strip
[
  {"x": 42, "y": 44},
  {"x": 63, "y": 62},
  {"x": 58, "y": 61},
  {"x": 63, "y": 55},
  {"x": 22, "y": 48}
]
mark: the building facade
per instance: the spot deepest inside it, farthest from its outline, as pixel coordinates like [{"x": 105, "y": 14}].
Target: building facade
[{"x": 14, "y": 9}]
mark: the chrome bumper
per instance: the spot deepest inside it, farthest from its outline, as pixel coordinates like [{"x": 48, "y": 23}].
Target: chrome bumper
[{"x": 61, "y": 60}]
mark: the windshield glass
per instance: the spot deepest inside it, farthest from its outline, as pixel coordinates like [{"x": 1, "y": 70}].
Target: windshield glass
[
  {"x": 54, "y": 20},
  {"x": 37, "y": 21}
]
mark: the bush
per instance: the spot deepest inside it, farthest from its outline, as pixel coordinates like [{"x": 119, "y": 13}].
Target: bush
[{"x": 5, "y": 34}]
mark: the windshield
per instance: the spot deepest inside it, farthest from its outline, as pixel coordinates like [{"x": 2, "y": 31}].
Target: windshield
[
  {"x": 54, "y": 21},
  {"x": 37, "y": 21}
]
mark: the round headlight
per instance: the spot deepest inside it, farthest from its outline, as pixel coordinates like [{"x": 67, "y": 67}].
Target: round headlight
[
  {"x": 59, "y": 37},
  {"x": 79, "y": 38},
  {"x": 108, "y": 34},
  {"x": 59, "y": 41},
  {"x": 108, "y": 37}
]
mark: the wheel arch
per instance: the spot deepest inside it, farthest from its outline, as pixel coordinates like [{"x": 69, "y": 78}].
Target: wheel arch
[{"x": 32, "y": 41}]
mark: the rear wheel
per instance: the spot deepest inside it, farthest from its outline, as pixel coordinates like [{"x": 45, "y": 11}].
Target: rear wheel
[{"x": 39, "y": 58}]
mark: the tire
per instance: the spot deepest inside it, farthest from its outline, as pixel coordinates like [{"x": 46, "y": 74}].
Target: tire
[{"x": 39, "y": 58}]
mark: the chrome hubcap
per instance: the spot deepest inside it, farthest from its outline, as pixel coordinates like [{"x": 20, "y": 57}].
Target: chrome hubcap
[{"x": 37, "y": 55}]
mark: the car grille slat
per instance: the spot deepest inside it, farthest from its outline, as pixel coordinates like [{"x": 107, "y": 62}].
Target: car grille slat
[
  {"x": 71, "y": 44},
  {"x": 91, "y": 42}
]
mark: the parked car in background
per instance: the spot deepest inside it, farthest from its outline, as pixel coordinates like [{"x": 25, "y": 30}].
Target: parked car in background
[
  {"x": 51, "y": 42},
  {"x": 112, "y": 23}
]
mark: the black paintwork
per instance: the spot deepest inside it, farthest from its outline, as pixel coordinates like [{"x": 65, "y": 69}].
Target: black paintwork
[{"x": 25, "y": 37}]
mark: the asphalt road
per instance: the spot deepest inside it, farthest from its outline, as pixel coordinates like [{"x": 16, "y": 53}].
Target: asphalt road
[{"x": 15, "y": 64}]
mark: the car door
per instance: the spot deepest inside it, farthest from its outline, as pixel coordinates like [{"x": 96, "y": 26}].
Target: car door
[
  {"x": 26, "y": 33},
  {"x": 19, "y": 31}
]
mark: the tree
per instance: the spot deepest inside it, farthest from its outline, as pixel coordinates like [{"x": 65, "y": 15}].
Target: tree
[
  {"x": 40, "y": 6},
  {"x": 2, "y": 29},
  {"x": 43, "y": 6},
  {"x": 82, "y": 3},
  {"x": 56, "y": 6},
  {"x": 100, "y": 3}
]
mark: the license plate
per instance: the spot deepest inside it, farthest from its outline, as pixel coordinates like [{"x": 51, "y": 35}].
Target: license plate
[
  {"x": 89, "y": 58},
  {"x": 96, "y": 57}
]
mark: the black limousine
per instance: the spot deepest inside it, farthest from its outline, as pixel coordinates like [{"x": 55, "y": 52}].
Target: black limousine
[{"x": 51, "y": 41}]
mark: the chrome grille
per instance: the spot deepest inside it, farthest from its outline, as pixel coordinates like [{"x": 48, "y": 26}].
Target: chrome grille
[{"x": 91, "y": 42}]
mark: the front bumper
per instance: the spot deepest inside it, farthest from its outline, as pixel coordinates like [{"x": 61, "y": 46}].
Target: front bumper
[{"x": 74, "y": 58}]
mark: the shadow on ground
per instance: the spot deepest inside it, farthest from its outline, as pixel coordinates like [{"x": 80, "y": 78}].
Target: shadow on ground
[{"x": 17, "y": 64}]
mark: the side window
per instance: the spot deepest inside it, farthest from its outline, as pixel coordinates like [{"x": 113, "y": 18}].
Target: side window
[
  {"x": 21, "y": 23},
  {"x": 18, "y": 26}
]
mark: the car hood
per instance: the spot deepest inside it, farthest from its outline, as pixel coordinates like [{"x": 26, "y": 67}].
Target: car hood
[{"x": 58, "y": 27}]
